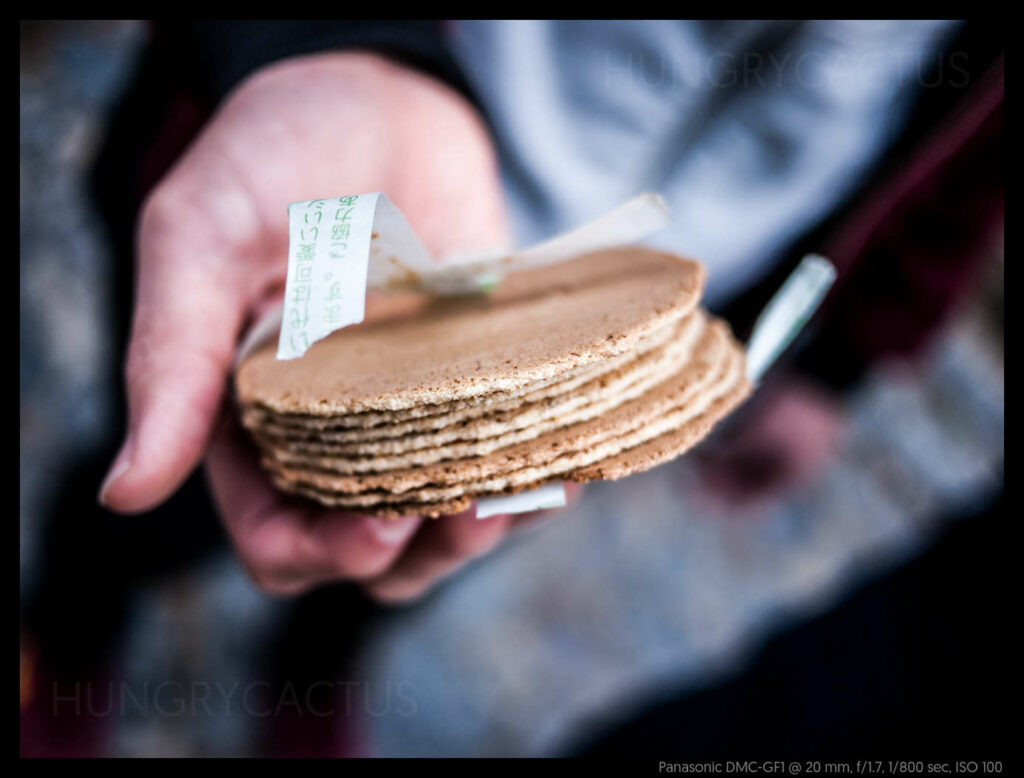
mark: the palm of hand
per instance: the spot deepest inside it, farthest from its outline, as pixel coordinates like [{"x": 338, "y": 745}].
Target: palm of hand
[{"x": 211, "y": 246}]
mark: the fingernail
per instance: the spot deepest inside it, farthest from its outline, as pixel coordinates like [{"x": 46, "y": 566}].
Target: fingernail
[
  {"x": 394, "y": 532},
  {"x": 121, "y": 465}
]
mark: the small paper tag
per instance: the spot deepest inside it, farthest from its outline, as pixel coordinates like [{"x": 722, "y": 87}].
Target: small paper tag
[
  {"x": 332, "y": 245},
  {"x": 627, "y": 223},
  {"x": 787, "y": 313},
  {"x": 540, "y": 499}
]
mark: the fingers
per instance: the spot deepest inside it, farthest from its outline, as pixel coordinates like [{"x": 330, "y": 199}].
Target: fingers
[
  {"x": 441, "y": 547},
  {"x": 189, "y": 309},
  {"x": 444, "y": 545},
  {"x": 286, "y": 546}
]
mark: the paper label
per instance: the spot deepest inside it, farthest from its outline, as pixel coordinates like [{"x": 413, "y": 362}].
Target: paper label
[
  {"x": 336, "y": 247},
  {"x": 327, "y": 253},
  {"x": 540, "y": 499},
  {"x": 787, "y": 313}
]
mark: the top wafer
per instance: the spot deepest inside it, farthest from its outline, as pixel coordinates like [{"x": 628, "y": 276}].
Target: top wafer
[{"x": 537, "y": 325}]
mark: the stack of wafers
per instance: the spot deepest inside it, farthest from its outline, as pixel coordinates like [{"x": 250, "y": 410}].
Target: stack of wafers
[{"x": 594, "y": 368}]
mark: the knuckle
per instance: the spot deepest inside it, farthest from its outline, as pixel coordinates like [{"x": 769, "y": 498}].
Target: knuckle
[
  {"x": 268, "y": 556},
  {"x": 163, "y": 210},
  {"x": 397, "y": 593},
  {"x": 272, "y": 579},
  {"x": 275, "y": 585},
  {"x": 472, "y": 543},
  {"x": 219, "y": 210},
  {"x": 367, "y": 549},
  {"x": 458, "y": 545},
  {"x": 364, "y": 565}
]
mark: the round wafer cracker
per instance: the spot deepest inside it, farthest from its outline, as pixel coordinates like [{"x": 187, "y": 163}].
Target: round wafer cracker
[
  {"x": 686, "y": 425},
  {"x": 539, "y": 324},
  {"x": 487, "y": 432},
  {"x": 717, "y": 353},
  {"x": 374, "y": 425}
]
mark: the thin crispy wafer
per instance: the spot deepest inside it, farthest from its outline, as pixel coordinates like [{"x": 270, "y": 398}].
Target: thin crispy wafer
[
  {"x": 372, "y": 424},
  {"x": 539, "y": 324},
  {"x": 659, "y": 410},
  {"x": 641, "y": 457},
  {"x": 492, "y": 431}
]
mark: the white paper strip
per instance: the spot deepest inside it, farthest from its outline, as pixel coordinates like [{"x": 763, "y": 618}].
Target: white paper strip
[
  {"x": 330, "y": 262},
  {"x": 628, "y": 223},
  {"x": 540, "y": 499},
  {"x": 787, "y": 313},
  {"x": 339, "y": 247}
]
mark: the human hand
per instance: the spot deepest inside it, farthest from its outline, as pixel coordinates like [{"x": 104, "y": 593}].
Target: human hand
[
  {"x": 211, "y": 243},
  {"x": 782, "y": 441},
  {"x": 445, "y": 545}
]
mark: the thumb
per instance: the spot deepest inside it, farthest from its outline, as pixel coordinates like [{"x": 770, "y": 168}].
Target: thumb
[{"x": 188, "y": 312}]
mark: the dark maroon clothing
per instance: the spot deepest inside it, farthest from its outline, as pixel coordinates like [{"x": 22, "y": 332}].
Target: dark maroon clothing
[{"x": 910, "y": 249}]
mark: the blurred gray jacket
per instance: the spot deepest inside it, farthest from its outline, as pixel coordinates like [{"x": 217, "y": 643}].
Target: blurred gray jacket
[{"x": 752, "y": 131}]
